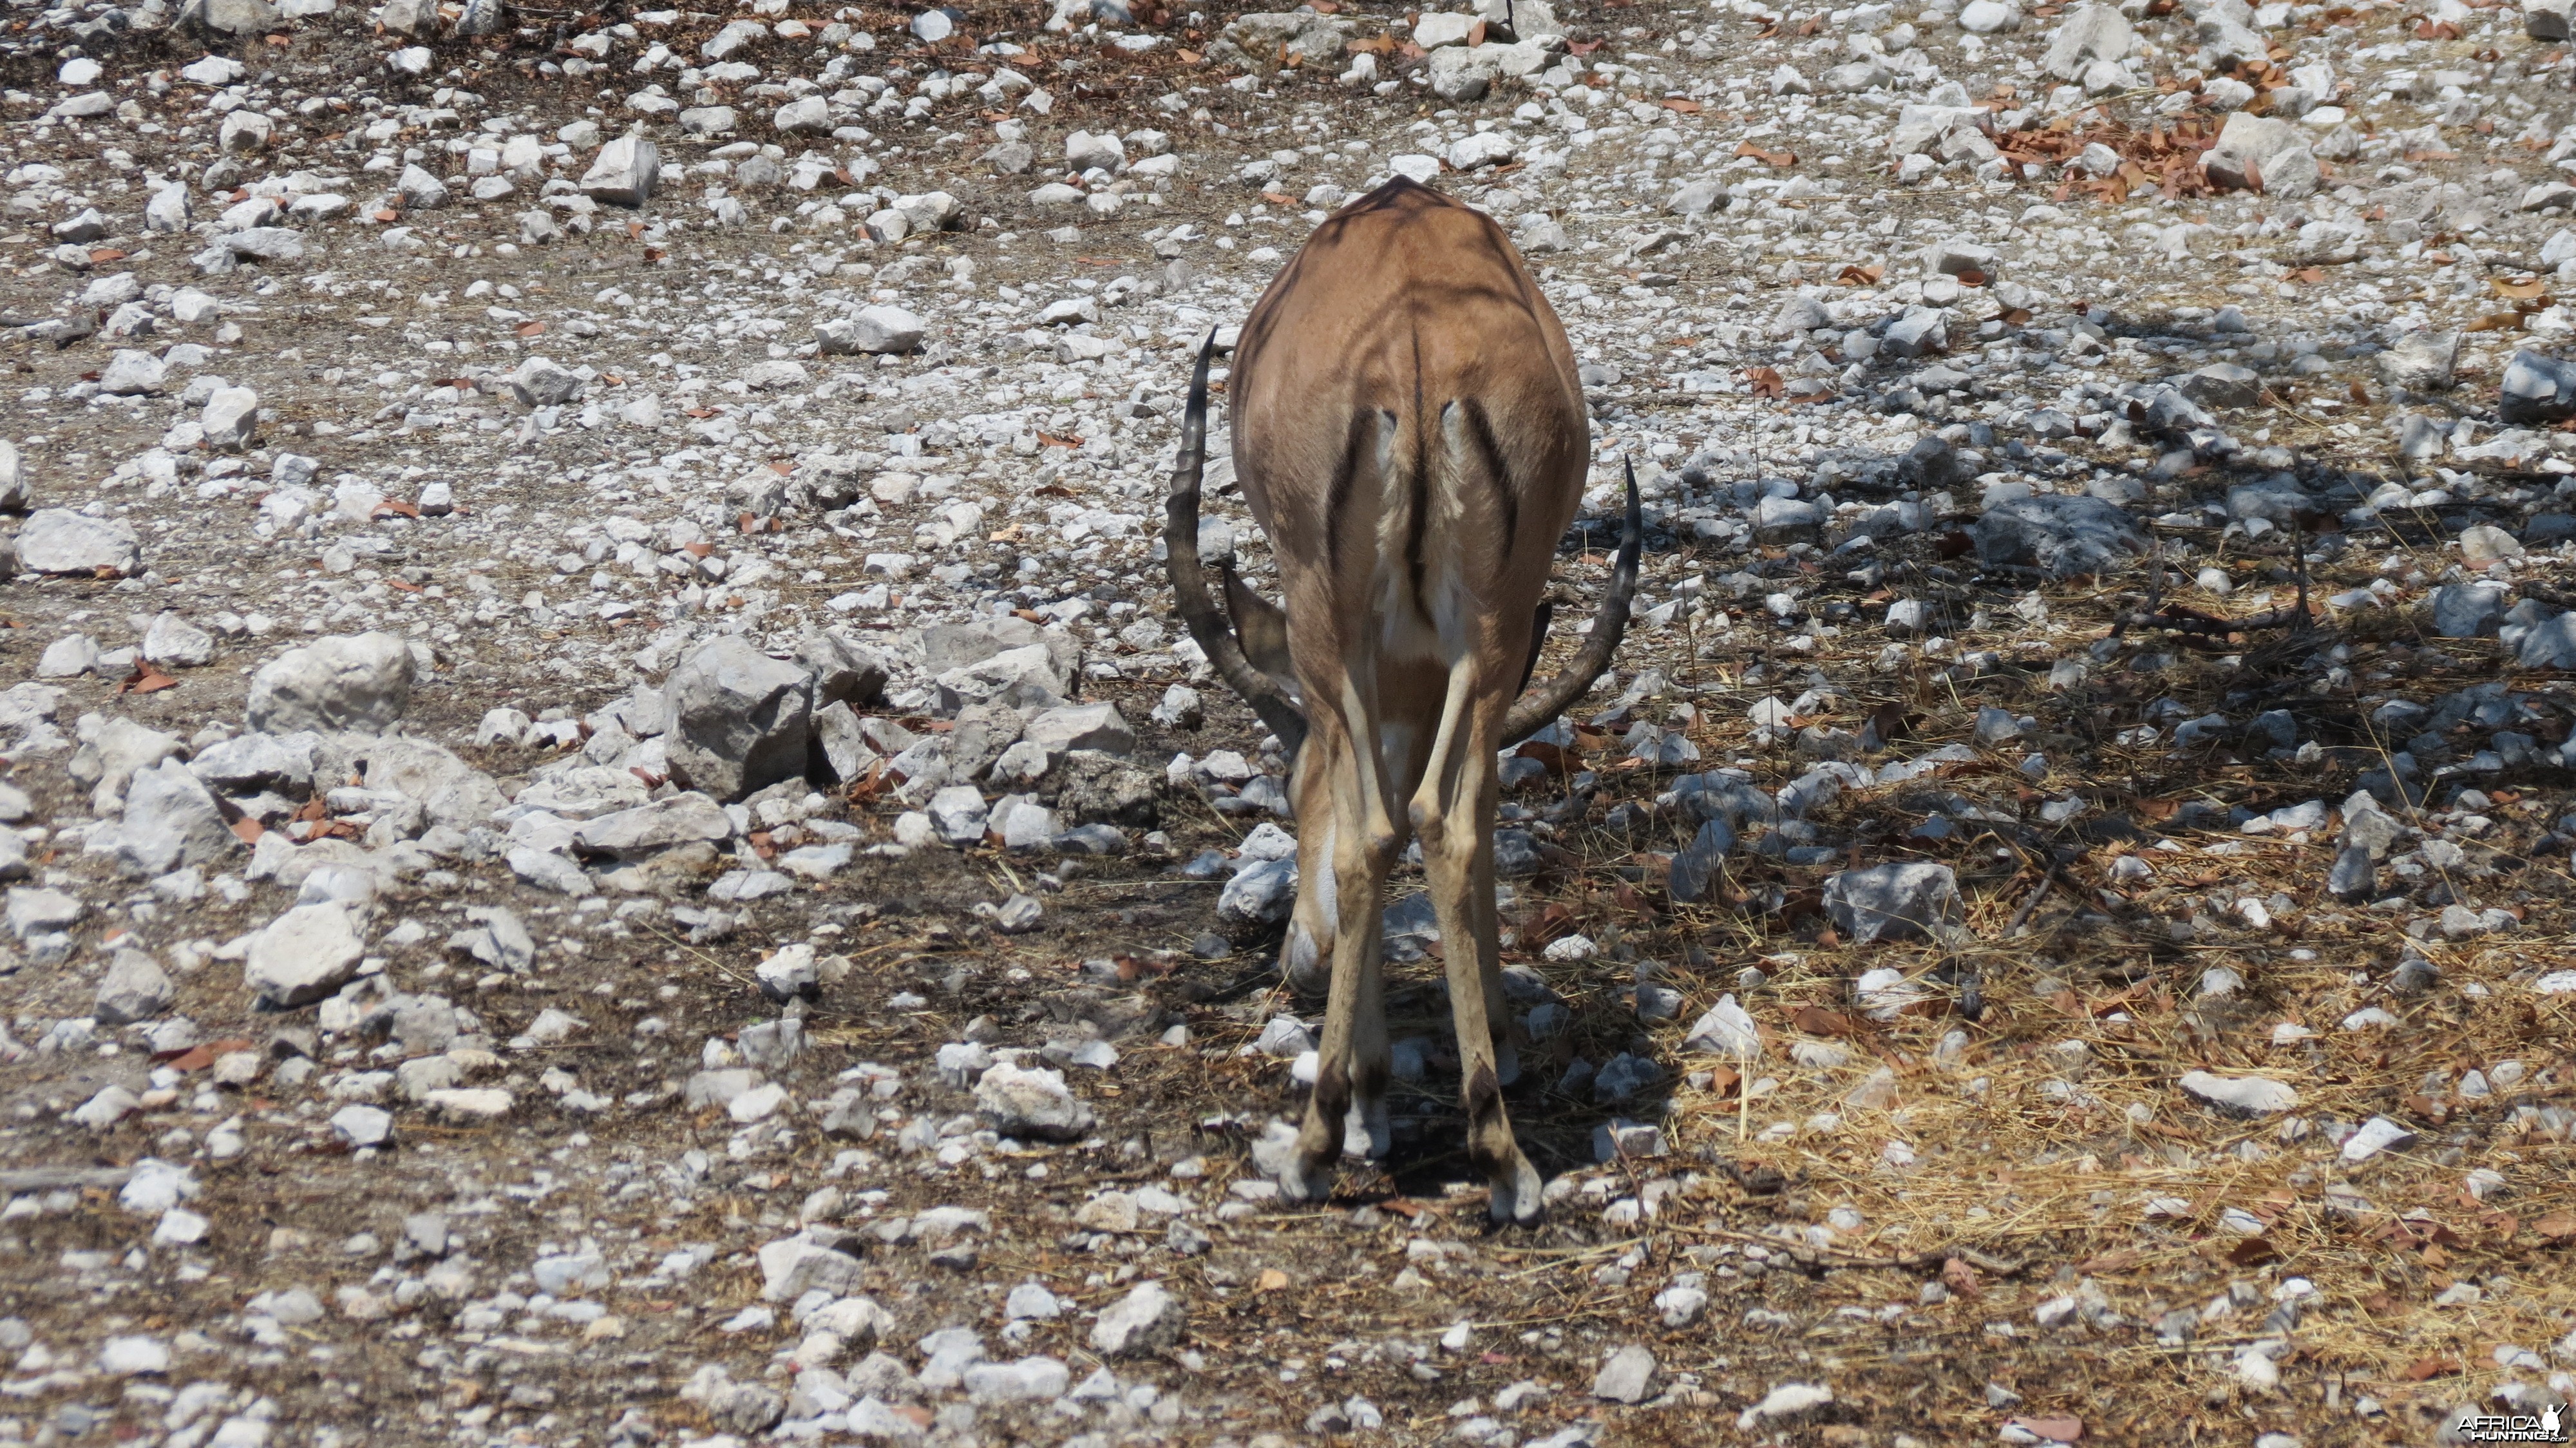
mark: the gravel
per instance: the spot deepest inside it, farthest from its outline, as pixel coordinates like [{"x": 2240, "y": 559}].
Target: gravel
[
  {"x": 1148, "y": 1319},
  {"x": 360, "y": 683},
  {"x": 607, "y": 564},
  {"x": 308, "y": 952}
]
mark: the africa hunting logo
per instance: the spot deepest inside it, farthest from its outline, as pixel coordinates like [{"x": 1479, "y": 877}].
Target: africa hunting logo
[{"x": 2545, "y": 1427}]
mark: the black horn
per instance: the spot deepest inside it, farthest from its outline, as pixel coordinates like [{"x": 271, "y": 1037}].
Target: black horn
[
  {"x": 1190, "y": 595},
  {"x": 1535, "y": 711}
]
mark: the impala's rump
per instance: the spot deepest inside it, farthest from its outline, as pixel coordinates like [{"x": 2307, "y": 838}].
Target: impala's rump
[{"x": 1460, "y": 419}]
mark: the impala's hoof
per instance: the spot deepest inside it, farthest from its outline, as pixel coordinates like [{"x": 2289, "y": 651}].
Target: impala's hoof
[
  {"x": 1517, "y": 1193},
  {"x": 1305, "y": 1182},
  {"x": 1303, "y": 963},
  {"x": 1366, "y": 1132}
]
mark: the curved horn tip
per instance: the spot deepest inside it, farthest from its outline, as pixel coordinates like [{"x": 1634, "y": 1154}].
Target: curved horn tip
[
  {"x": 1209, "y": 629},
  {"x": 1533, "y": 712}
]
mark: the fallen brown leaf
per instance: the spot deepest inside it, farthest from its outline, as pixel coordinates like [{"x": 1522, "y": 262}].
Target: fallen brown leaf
[
  {"x": 1817, "y": 1021},
  {"x": 1960, "y": 1278},
  {"x": 1553, "y": 922},
  {"x": 2253, "y": 1251}
]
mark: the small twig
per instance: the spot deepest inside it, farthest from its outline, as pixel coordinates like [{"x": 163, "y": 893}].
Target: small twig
[
  {"x": 2444, "y": 403},
  {"x": 1743, "y": 1096},
  {"x": 2299, "y": 560},
  {"x": 61, "y": 1178},
  {"x": 1245, "y": 985},
  {"x": 2021, "y": 917},
  {"x": 719, "y": 966},
  {"x": 2194, "y": 624},
  {"x": 1815, "y": 1257}
]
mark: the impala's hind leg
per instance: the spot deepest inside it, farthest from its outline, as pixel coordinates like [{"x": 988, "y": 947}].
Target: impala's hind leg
[
  {"x": 1351, "y": 1060},
  {"x": 1453, "y": 815},
  {"x": 1306, "y": 958}
]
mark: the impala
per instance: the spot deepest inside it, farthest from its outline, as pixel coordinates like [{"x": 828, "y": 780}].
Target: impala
[{"x": 1411, "y": 436}]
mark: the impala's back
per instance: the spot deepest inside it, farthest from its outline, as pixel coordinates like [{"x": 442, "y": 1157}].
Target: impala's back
[{"x": 1409, "y": 431}]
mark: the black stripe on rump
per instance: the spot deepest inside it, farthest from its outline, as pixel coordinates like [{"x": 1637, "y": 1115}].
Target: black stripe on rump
[{"x": 1498, "y": 471}]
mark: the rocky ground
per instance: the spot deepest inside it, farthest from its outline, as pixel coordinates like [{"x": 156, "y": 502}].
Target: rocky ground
[{"x": 611, "y": 838}]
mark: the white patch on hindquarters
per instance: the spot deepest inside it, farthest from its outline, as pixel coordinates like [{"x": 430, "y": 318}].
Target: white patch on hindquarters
[
  {"x": 1395, "y": 747},
  {"x": 1403, "y": 634}
]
